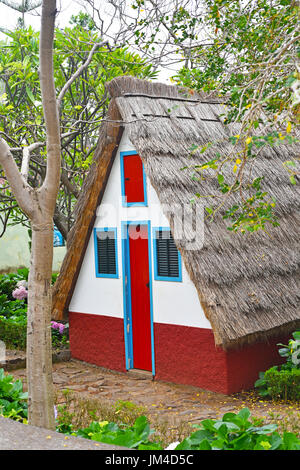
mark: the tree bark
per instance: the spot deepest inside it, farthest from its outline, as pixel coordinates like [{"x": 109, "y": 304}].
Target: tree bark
[
  {"x": 39, "y": 347},
  {"x": 39, "y": 205}
]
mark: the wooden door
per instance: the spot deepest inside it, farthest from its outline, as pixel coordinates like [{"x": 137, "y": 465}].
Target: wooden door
[
  {"x": 140, "y": 296},
  {"x": 133, "y": 179}
]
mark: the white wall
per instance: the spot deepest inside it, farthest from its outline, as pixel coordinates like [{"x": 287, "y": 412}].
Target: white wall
[
  {"x": 14, "y": 250},
  {"x": 173, "y": 302}
]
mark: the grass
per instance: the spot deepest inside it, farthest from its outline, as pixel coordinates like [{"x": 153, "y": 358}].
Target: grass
[
  {"x": 80, "y": 410},
  {"x": 289, "y": 422}
]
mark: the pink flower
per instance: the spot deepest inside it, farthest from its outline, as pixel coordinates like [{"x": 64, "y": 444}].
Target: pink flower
[
  {"x": 58, "y": 326},
  {"x": 20, "y": 293}
]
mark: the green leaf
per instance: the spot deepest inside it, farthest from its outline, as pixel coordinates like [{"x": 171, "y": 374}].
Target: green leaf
[
  {"x": 204, "y": 445},
  {"x": 30, "y": 94},
  {"x": 220, "y": 179},
  {"x": 290, "y": 441}
]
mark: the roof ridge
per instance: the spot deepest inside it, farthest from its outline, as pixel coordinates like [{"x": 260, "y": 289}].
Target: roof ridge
[
  {"x": 164, "y": 97},
  {"x": 126, "y": 84}
]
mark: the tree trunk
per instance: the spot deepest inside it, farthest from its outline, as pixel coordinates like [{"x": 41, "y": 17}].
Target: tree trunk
[
  {"x": 39, "y": 205},
  {"x": 39, "y": 347}
]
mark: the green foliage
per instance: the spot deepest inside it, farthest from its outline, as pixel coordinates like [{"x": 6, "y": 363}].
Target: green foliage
[
  {"x": 83, "y": 107},
  {"x": 9, "y": 281},
  {"x": 83, "y": 20},
  {"x": 283, "y": 382},
  {"x": 133, "y": 437},
  {"x": 13, "y": 332},
  {"x": 237, "y": 432},
  {"x": 13, "y": 401},
  {"x": 232, "y": 432},
  {"x": 13, "y": 314},
  {"x": 127, "y": 412},
  {"x": 60, "y": 339},
  {"x": 243, "y": 38},
  {"x": 12, "y": 308},
  {"x": 292, "y": 351},
  {"x": 251, "y": 58}
]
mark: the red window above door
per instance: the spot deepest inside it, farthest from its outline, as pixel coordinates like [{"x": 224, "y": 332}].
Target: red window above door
[{"x": 133, "y": 180}]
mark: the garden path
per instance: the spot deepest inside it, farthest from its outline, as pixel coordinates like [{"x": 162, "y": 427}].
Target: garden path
[{"x": 163, "y": 401}]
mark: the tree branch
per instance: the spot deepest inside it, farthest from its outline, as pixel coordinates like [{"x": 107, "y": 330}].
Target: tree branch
[
  {"x": 78, "y": 72},
  {"x": 26, "y": 157},
  {"x": 19, "y": 186},
  {"x": 51, "y": 183}
]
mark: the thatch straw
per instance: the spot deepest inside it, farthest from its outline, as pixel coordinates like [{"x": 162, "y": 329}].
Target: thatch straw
[{"x": 248, "y": 285}]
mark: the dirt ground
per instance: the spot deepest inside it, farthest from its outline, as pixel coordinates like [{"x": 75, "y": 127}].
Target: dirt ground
[{"x": 164, "y": 401}]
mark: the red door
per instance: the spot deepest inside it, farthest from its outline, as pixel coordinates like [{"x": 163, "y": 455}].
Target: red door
[
  {"x": 133, "y": 178},
  {"x": 140, "y": 296}
]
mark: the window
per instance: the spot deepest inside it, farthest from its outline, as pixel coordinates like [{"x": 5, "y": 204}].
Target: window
[
  {"x": 105, "y": 245},
  {"x": 167, "y": 259},
  {"x": 133, "y": 180}
]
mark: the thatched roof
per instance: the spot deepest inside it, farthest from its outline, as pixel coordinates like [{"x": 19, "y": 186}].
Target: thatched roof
[{"x": 248, "y": 285}]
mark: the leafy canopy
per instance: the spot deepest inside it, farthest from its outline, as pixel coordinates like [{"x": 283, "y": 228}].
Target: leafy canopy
[{"x": 82, "y": 109}]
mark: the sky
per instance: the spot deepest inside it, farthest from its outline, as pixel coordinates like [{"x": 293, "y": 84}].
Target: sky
[
  {"x": 67, "y": 8},
  {"x": 8, "y": 17}
]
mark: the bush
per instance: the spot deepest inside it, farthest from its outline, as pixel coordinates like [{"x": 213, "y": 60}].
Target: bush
[
  {"x": 283, "y": 384},
  {"x": 283, "y": 381},
  {"x": 13, "y": 312},
  {"x": 291, "y": 351},
  {"x": 133, "y": 437},
  {"x": 232, "y": 432},
  {"x": 8, "y": 282},
  {"x": 60, "y": 334},
  {"x": 237, "y": 432},
  {"x": 13, "y": 401},
  {"x": 13, "y": 332},
  {"x": 10, "y": 308}
]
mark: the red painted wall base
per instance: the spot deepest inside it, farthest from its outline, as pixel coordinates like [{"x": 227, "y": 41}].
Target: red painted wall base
[
  {"x": 189, "y": 356},
  {"x": 98, "y": 340},
  {"x": 183, "y": 355}
]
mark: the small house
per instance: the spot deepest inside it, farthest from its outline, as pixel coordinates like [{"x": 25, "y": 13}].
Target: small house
[{"x": 148, "y": 282}]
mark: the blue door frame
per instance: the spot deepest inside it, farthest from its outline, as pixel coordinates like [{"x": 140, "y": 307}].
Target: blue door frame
[{"x": 127, "y": 292}]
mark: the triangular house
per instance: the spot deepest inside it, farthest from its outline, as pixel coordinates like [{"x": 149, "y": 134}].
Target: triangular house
[{"x": 147, "y": 283}]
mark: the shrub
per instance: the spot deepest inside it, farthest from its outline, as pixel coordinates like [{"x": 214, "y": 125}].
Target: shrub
[
  {"x": 8, "y": 282},
  {"x": 10, "y": 308},
  {"x": 60, "y": 334},
  {"x": 237, "y": 432},
  {"x": 232, "y": 432},
  {"x": 283, "y": 384},
  {"x": 13, "y": 312},
  {"x": 13, "y": 401},
  {"x": 13, "y": 332},
  {"x": 283, "y": 381},
  {"x": 292, "y": 351},
  {"x": 133, "y": 437}
]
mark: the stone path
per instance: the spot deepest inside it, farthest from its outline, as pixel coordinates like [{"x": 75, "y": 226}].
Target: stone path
[
  {"x": 18, "y": 436},
  {"x": 163, "y": 401}
]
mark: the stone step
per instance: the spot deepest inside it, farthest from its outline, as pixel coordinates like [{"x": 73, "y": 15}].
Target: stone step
[{"x": 140, "y": 374}]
